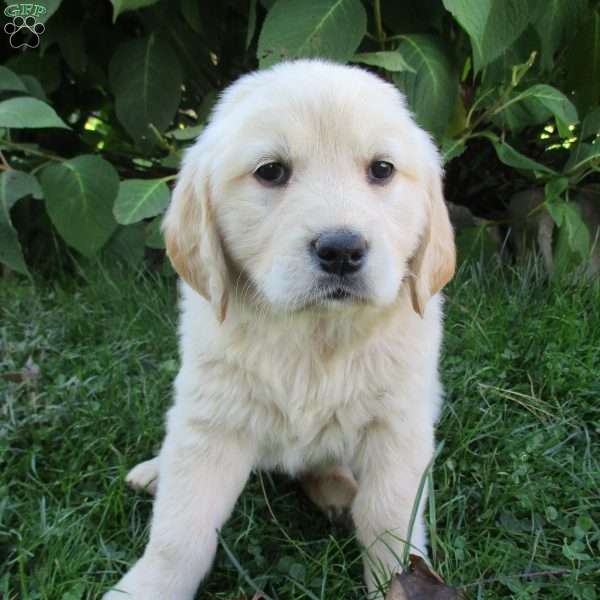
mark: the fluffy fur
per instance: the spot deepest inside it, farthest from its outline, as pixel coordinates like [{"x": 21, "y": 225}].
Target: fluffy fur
[{"x": 274, "y": 375}]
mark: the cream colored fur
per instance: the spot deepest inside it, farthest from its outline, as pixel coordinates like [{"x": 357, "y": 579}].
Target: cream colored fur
[{"x": 343, "y": 395}]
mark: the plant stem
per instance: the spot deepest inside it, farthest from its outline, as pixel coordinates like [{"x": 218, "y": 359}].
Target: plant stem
[
  {"x": 379, "y": 23},
  {"x": 28, "y": 150},
  {"x": 5, "y": 165}
]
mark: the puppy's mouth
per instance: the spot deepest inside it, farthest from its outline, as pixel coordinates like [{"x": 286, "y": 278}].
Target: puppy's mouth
[{"x": 339, "y": 294}]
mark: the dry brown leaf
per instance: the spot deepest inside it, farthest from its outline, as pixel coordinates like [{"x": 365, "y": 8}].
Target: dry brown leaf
[{"x": 420, "y": 583}]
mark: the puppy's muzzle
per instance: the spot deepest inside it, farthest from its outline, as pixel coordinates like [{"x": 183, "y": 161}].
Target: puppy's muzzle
[{"x": 340, "y": 252}]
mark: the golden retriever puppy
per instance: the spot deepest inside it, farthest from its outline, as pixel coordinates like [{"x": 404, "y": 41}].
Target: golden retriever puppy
[{"x": 310, "y": 232}]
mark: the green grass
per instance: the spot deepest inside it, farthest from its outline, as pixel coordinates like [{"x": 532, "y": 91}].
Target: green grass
[{"x": 516, "y": 484}]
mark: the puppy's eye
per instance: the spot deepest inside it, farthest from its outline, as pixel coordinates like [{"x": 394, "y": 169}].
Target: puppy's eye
[
  {"x": 380, "y": 171},
  {"x": 273, "y": 173}
]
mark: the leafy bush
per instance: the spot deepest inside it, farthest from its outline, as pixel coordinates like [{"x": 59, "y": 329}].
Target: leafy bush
[{"x": 94, "y": 119}]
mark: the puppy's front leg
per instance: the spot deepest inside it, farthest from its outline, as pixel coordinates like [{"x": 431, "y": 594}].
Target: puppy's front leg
[
  {"x": 202, "y": 474},
  {"x": 390, "y": 468}
]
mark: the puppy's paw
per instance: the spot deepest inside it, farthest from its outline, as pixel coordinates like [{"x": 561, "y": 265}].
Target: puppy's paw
[
  {"x": 144, "y": 477},
  {"x": 153, "y": 578},
  {"x": 333, "y": 491},
  {"x": 340, "y": 516}
]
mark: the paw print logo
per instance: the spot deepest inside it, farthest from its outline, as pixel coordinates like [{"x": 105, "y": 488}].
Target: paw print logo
[{"x": 24, "y": 32}]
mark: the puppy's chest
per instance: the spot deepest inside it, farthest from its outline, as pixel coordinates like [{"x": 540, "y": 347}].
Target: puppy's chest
[{"x": 313, "y": 412}]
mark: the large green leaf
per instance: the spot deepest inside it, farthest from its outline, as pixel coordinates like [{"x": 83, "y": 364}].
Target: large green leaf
[
  {"x": 310, "y": 28},
  {"x": 583, "y": 156},
  {"x": 28, "y": 113},
  {"x": 587, "y": 148},
  {"x": 583, "y": 63},
  {"x": 190, "y": 9},
  {"x": 513, "y": 158},
  {"x": 402, "y": 16},
  {"x": 121, "y": 6},
  {"x": 452, "y": 148},
  {"x": 80, "y": 194},
  {"x": 9, "y": 81},
  {"x": 13, "y": 186},
  {"x": 146, "y": 79},
  {"x": 535, "y": 104},
  {"x": 46, "y": 69},
  {"x": 492, "y": 25},
  {"x": 17, "y": 184},
  {"x": 432, "y": 89},
  {"x": 34, "y": 87},
  {"x": 574, "y": 240},
  {"x": 555, "y": 21},
  {"x": 67, "y": 33},
  {"x": 566, "y": 215},
  {"x": 519, "y": 61},
  {"x": 390, "y": 61},
  {"x": 153, "y": 233},
  {"x": 555, "y": 101},
  {"x": 590, "y": 126},
  {"x": 126, "y": 245},
  {"x": 140, "y": 199}
]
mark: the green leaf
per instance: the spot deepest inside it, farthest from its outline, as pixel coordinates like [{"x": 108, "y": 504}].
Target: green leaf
[
  {"x": 581, "y": 156},
  {"x": 80, "y": 194},
  {"x": 403, "y": 17},
  {"x": 190, "y": 9},
  {"x": 492, "y": 25},
  {"x": 583, "y": 153},
  {"x": 154, "y": 236},
  {"x": 121, "y": 6},
  {"x": 554, "y": 101},
  {"x": 511, "y": 157},
  {"x": 186, "y": 133},
  {"x": 515, "y": 63},
  {"x": 67, "y": 32},
  {"x": 127, "y": 245},
  {"x": 10, "y": 82},
  {"x": 34, "y": 87},
  {"x": 13, "y": 186},
  {"x": 556, "y": 21},
  {"x": 590, "y": 127},
  {"x": 432, "y": 89},
  {"x": 554, "y": 190},
  {"x": 17, "y": 184},
  {"x": 47, "y": 69},
  {"x": 583, "y": 63},
  {"x": 311, "y": 28},
  {"x": 390, "y": 61},
  {"x": 146, "y": 79},
  {"x": 535, "y": 104},
  {"x": 140, "y": 199},
  {"x": 251, "y": 23},
  {"x": 575, "y": 551},
  {"x": 28, "y": 113},
  {"x": 452, "y": 149},
  {"x": 566, "y": 215}
]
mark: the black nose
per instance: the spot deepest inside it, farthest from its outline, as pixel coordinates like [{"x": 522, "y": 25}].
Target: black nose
[{"x": 340, "y": 252}]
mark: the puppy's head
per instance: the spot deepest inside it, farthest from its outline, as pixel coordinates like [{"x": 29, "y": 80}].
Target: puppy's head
[{"x": 313, "y": 186}]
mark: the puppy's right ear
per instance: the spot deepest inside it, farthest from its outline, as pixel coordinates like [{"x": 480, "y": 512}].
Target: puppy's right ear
[{"x": 192, "y": 241}]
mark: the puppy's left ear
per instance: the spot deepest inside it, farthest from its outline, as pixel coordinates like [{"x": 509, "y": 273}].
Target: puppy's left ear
[
  {"x": 191, "y": 238},
  {"x": 434, "y": 262}
]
